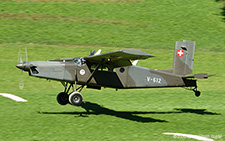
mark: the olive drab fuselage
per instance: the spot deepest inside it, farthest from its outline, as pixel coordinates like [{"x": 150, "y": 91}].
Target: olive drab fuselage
[
  {"x": 115, "y": 70},
  {"x": 119, "y": 78}
]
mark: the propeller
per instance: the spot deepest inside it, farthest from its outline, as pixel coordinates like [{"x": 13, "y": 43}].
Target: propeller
[
  {"x": 21, "y": 65},
  {"x": 21, "y": 84}
]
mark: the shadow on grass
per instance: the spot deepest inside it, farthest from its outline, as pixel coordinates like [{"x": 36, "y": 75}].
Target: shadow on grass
[
  {"x": 222, "y": 8},
  {"x": 95, "y": 109},
  {"x": 197, "y": 111},
  {"x": 223, "y": 12}
]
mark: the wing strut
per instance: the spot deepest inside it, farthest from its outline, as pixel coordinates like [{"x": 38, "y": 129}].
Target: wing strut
[
  {"x": 91, "y": 76},
  {"x": 75, "y": 82}
]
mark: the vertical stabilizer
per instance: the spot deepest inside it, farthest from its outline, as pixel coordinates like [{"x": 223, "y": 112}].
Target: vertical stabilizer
[{"x": 184, "y": 57}]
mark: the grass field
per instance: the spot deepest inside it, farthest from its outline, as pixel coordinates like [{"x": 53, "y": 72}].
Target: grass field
[{"x": 53, "y": 29}]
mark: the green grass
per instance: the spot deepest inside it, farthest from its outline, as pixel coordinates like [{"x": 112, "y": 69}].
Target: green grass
[
  {"x": 147, "y": 24},
  {"x": 141, "y": 114},
  {"x": 72, "y": 29}
]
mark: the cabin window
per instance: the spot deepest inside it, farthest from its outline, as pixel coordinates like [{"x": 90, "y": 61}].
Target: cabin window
[
  {"x": 104, "y": 68},
  {"x": 79, "y": 61}
]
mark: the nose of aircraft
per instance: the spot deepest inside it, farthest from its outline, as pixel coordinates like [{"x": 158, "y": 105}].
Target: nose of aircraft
[{"x": 21, "y": 66}]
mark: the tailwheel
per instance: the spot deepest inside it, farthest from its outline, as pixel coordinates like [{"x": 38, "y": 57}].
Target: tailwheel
[
  {"x": 197, "y": 93},
  {"x": 62, "y": 98},
  {"x": 75, "y": 98}
]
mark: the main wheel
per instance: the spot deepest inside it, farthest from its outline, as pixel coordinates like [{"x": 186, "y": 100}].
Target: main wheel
[
  {"x": 197, "y": 93},
  {"x": 75, "y": 98},
  {"x": 62, "y": 98}
]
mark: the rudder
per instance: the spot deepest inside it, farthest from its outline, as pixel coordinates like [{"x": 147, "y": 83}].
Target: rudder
[{"x": 184, "y": 57}]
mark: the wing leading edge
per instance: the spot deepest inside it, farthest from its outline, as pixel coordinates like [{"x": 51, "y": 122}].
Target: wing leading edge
[{"x": 118, "y": 58}]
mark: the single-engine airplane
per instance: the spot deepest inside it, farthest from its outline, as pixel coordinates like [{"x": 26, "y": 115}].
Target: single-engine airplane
[{"x": 115, "y": 70}]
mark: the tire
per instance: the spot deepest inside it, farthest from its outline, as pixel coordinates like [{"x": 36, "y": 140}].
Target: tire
[
  {"x": 62, "y": 98},
  {"x": 75, "y": 98},
  {"x": 197, "y": 93}
]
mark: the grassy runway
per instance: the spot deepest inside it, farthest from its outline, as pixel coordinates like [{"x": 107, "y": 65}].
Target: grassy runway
[{"x": 52, "y": 29}]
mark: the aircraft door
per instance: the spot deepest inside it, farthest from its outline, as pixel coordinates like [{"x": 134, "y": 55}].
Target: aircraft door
[
  {"x": 82, "y": 70},
  {"x": 122, "y": 73}
]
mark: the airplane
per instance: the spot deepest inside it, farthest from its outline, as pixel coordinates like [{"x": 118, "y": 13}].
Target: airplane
[{"x": 115, "y": 70}]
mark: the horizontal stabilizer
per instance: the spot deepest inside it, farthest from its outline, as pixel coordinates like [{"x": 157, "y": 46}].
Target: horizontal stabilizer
[{"x": 199, "y": 76}]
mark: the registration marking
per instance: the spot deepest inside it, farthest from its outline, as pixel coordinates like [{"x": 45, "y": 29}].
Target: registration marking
[{"x": 154, "y": 79}]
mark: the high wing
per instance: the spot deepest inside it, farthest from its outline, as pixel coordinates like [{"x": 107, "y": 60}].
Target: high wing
[
  {"x": 71, "y": 59},
  {"x": 118, "y": 58},
  {"x": 62, "y": 59}
]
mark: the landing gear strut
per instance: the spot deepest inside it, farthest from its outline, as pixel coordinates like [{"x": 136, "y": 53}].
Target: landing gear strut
[
  {"x": 74, "y": 98},
  {"x": 197, "y": 93}
]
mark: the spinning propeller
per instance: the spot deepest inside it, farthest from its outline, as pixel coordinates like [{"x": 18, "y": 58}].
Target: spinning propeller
[{"x": 22, "y": 65}]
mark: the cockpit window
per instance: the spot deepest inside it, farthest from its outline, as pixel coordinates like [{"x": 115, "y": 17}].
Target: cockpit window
[{"x": 79, "y": 61}]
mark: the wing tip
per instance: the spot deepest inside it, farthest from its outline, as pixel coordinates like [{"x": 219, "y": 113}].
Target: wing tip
[{"x": 137, "y": 52}]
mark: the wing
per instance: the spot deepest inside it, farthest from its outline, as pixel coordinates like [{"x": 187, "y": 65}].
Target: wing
[
  {"x": 118, "y": 58},
  {"x": 62, "y": 59},
  {"x": 71, "y": 59}
]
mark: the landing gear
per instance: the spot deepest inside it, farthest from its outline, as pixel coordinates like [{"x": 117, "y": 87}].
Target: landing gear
[
  {"x": 75, "y": 98},
  {"x": 62, "y": 98},
  {"x": 197, "y": 93}
]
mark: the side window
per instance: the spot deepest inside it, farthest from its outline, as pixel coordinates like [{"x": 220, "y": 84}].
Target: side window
[
  {"x": 83, "y": 62},
  {"x": 102, "y": 68},
  {"x": 79, "y": 61}
]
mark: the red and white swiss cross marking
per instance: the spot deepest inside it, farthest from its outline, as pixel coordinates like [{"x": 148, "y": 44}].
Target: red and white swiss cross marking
[{"x": 180, "y": 52}]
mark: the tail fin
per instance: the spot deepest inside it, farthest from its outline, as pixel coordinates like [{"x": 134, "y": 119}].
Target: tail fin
[{"x": 184, "y": 57}]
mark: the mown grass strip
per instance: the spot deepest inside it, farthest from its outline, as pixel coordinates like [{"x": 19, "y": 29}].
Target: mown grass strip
[
  {"x": 26, "y": 16},
  {"x": 99, "y": 1}
]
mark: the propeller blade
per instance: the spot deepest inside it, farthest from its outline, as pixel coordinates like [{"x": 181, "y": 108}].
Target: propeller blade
[
  {"x": 26, "y": 56},
  {"x": 21, "y": 65},
  {"x": 21, "y": 84},
  {"x": 19, "y": 57}
]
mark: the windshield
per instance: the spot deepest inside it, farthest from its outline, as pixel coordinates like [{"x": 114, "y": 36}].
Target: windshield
[{"x": 79, "y": 61}]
